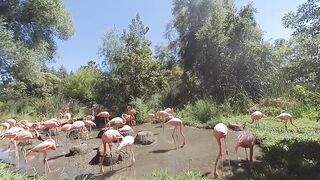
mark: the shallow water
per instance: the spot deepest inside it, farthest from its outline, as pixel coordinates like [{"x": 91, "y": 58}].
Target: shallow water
[{"x": 198, "y": 154}]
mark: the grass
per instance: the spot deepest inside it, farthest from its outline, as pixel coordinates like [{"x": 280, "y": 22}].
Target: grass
[
  {"x": 6, "y": 174},
  {"x": 286, "y": 154},
  {"x": 164, "y": 175}
]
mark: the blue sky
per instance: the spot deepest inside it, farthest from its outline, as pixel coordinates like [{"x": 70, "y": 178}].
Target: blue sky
[{"x": 93, "y": 18}]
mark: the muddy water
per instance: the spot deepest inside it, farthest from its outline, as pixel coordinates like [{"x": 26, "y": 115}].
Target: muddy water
[{"x": 198, "y": 154}]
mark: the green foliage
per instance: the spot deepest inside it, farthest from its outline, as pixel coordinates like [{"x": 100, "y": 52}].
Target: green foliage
[
  {"x": 202, "y": 113},
  {"x": 80, "y": 85},
  {"x": 6, "y": 174},
  {"x": 305, "y": 64},
  {"x": 131, "y": 71},
  {"x": 163, "y": 175}
]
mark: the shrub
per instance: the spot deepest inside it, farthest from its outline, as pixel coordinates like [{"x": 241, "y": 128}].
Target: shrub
[{"x": 202, "y": 111}]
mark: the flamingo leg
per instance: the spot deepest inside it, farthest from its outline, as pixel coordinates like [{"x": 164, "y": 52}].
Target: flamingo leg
[
  {"x": 215, "y": 172},
  {"x": 132, "y": 156},
  {"x": 103, "y": 157},
  {"x": 177, "y": 139},
  {"x": 294, "y": 125},
  {"x": 251, "y": 155},
  {"x": 227, "y": 152},
  {"x": 111, "y": 160},
  {"x": 246, "y": 153},
  {"x": 173, "y": 137},
  {"x": 184, "y": 137}
]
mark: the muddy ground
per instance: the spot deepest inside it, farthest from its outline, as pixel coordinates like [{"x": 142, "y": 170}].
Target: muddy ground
[{"x": 198, "y": 154}]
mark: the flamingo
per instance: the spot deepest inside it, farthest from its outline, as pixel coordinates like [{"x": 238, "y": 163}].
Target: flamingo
[
  {"x": 51, "y": 124},
  {"x": 108, "y": 137},
  {"x": 12, "y": 122},
  {"x": 255, "y": 117},
  {"x": 11, "y": 134},
  {"x": 25, "y": 135},
  {"x": 176, "y": 122},
  {"x": 117, "y": 121},
  {"x": 169, "y": 110},
  {"x": 132, "y": 112},
  {"x": 151, "y": 117},
  {"x": 44, "y": 147},
  {"x": 285, "y": 117},
  {"x": 80, "y": 127},
  {"x": 164, "y": 115},
  {"x": 104, "y": 115},
  {"x": 127, "y": 142},
  {"x": 5, "y": 126},
  {"x": 89, "y": 124},
  {"x": 30, "y": 125},
  {"x": 246, "y": 140},
  {"x": 129, "y": 118},
  {"x": 125, "y": 129},
  {"x": 220, "y": 131},
  {"x": 67, "y": 116},
  {"x": 66, "y": 128}
]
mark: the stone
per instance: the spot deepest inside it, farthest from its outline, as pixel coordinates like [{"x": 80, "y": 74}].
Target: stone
[{"x": 144, "y": 138}]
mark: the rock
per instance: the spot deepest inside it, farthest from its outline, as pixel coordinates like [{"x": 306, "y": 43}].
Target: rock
[
  {"x": 78, "y": 150},
  {"x": 234, "y": 127},
  {"x": 116, "y": 157},
  {"x": 144, "y": 138}
]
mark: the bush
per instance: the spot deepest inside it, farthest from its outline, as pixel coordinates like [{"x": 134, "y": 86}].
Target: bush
[{"x": 201, "y": 112}]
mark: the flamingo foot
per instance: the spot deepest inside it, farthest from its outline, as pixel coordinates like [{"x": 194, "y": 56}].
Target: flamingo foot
[{"x": 216, "y": 174}]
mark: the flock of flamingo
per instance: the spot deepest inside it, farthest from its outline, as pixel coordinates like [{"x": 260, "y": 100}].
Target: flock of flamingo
[{"x": 115, "y": 128}]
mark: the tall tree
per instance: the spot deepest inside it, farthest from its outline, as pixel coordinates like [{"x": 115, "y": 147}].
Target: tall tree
[
  {"x": 28, "y": 29},
  {"x": 130, "y": 69},
  {"x": 304, "y": 66},
  {"x": 221, "y": 49}
]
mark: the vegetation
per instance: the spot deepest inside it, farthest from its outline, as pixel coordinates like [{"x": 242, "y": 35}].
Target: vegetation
[{"x": 216, "y": 67}]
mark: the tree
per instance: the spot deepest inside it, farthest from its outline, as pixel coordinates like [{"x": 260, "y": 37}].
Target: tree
[
  {"x": 304, "y": 64},
  {"x": 221, "y": 49},
  {"x": 28, "y": 29},
  {"x": 130, "y": 70},
  {"x": 80, "y": 85}
]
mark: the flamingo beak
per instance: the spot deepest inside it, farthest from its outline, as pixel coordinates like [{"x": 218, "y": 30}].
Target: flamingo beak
[{"x": 40, "y": 138}]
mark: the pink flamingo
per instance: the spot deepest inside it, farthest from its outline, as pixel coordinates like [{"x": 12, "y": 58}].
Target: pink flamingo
[
  {"x": 255, "y": 117},
  {"x": 67, "y": 116},
  {"x": 176, "y": 122},
  {"x": 246, "y": 140},
  {"x": 169, "y": 110},
  {"x": 11, "y": 134},
  {"x": 220, "y": 131},
  {"x": 66, "y": 128},
  {"x": 44, "y": 147},
  {"x": 132, "y": 112},
  {"x": 24, "y": 136},
  {"x": 104, "y": 115},
  {"x": 164, "y": 115},
  {"x": 81, "y": 128},
  {"x": 129, "y": 118},
  {"x": 5, "y": 126},
  {"x": 127, "y": 142},
  {"x": 12, "y": 122},
  {"x": 51, "y": 124},
  {"x": 125, "y": 129},
  {"x": 109, "y": 136},
  {"x": 286, "y": 117},
  {"x": 117, "y": 121},
  {"x": 151, "y": 117},
  {"x": 89, "y": 124}
]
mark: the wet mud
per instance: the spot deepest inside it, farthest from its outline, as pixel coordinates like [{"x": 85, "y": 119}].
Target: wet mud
[{"x": 83, "y": 161}]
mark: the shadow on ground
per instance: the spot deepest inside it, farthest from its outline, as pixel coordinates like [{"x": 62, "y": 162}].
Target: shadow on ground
[{"x": 287, "y": 160}]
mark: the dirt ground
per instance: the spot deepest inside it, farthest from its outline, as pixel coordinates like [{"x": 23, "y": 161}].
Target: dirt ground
[{"x": 198, "y": 155}]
